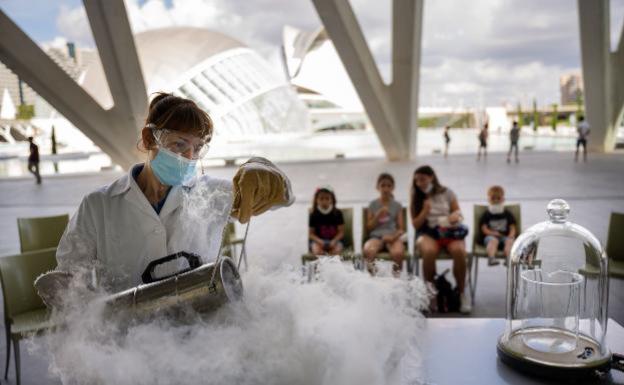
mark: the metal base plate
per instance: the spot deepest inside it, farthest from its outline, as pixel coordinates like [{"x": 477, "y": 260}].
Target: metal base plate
[{"x": 571, "y": 365}]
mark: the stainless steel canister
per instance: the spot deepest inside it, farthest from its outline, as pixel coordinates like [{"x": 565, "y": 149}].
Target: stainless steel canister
[{"x": 193, "y": 289}]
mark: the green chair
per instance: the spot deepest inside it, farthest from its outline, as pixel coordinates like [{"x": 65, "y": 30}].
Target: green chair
[
  {"x": 41, "y": 232},
  {"x": 347, "y": 241},
  {"x": 478, "y": 250},
  {"x": 615, "y": 245},
  {"x": 385, "y": 255},
  {"x": 24, "y": 312}
]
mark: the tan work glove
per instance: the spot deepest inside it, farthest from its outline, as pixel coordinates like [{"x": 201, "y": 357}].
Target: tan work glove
[{"x": 258, "y": 186}]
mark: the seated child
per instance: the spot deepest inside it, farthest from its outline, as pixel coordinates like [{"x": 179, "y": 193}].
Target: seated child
[
  {"x": 326, "y": 223},
  {"x": 498, "y": 225},
  {"x": 385, "y": 226}
]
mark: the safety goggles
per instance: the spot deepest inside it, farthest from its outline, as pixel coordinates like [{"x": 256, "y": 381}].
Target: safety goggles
[{"x": 181, "y": 143}]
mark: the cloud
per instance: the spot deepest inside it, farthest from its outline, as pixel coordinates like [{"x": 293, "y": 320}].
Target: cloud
[
  {"x": 501, "y": 50},
  {"x": 466, "y": 82},
  {"x": 73, "y": 25}
]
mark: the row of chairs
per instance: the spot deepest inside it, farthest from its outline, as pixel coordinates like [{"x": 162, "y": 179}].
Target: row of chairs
[
  {"x": 24, "y": 312},
  {"x": 614, "y": 248}
]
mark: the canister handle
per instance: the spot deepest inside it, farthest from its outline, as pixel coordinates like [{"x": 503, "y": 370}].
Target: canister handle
[{"x": 194, "y": 262}]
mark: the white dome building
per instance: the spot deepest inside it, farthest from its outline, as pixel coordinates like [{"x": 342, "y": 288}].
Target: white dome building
[{"x": 240, "y": 90}]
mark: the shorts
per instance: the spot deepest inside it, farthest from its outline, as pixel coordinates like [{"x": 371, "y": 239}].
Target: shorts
[
  {"x": 432, "y": 233},
  {"x": 581, "y": 141},
  {"x": 326, "y": 247},
  {"x": 501, "y": 241},
  {"x": 482, "y": 143}
]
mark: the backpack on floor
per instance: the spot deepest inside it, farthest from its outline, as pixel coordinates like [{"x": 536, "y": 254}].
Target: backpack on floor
[{"x": 448, "y": 297}]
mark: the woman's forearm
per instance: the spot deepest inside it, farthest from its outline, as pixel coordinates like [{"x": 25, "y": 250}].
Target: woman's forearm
[{"x": 419, "y": 220}]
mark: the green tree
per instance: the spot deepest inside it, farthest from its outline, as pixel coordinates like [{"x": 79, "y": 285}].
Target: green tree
[
  {"x": 554, "y": 117},
  {"x": 53, "y": 140},
  {"x": 579, "y": 104},
  {"x": 535, "y": 115}
]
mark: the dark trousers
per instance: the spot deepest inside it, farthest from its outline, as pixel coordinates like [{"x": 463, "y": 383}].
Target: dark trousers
[
  {"x": 33, "y": 167},
  {"x": 513, "y": 146}
]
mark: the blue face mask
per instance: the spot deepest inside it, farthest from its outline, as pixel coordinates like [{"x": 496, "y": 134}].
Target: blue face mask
[{"x": 172, "y": 169}]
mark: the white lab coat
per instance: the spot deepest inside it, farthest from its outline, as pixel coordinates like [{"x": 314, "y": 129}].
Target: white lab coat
[{"x": 117, "y": 232}]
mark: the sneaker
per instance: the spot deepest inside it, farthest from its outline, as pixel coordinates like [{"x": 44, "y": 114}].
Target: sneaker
[
  {"x": 493, "y": 261},
  {"x": 465, "y": 304},
  {"x": 372, "y": 268}
]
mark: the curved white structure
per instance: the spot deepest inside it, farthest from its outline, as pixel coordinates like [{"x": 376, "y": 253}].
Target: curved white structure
[
  {"x": 235, "y": 85},
  {"x": 315, "y": 67}
]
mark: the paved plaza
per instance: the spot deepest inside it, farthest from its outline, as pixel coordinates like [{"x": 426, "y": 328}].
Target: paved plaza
[{"x": 593, "y": 190}]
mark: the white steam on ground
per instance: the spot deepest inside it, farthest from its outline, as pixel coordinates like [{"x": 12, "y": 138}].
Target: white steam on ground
[{"x": 343, "y": 328}]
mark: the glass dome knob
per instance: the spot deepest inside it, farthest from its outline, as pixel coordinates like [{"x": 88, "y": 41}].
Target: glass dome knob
[{"x": 558, "y": 210}]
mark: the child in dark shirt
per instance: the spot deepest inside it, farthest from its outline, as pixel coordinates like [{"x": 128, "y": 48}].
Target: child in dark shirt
[
  {"x": 326, "y": 223},
  {"x": 497, "y": 225}
]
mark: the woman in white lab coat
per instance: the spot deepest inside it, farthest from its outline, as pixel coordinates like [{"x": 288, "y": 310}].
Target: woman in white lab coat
[{"x": 161, "y": 207}]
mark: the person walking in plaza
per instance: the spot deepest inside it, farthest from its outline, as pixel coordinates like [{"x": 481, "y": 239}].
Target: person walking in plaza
[
  {"x": 483, "y": 138},
  {"x": 447, "y": 139},
  {"x": 33, "y": 160},
  {"x": 514, "y": 135},
  {"x": 437, "y": 218},
  {"x": 583, "y": 130}
]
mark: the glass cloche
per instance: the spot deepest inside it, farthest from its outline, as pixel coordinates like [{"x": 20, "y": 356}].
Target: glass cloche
[{"x": 557, "y": 295}]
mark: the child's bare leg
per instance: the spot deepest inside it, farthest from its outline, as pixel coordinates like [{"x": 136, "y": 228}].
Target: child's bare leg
[
  {"x": 371, "y": 248},
  {"x": 429, "y": 250},
  {"x": 457, "y": 249},
  {"x": 397, "y": 253},
  {"x": 317, "y": 249},
  {"x": 508, "y": 244},
  {"x": 492, "y": 247},
  {"x": 337, "y": 249}
]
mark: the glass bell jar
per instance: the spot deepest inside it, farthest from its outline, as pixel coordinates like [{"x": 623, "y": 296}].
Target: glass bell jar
[{"x": 557, "y": 293}]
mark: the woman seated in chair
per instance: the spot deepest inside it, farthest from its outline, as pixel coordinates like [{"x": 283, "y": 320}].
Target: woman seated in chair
[
  {"x": 437, "y": 218},
  {"x": 326, "y": 223},
  {"x": 385, "y": 226}
]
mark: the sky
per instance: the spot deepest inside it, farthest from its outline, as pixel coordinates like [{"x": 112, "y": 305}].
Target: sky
[{"x": 474, "y": 53}]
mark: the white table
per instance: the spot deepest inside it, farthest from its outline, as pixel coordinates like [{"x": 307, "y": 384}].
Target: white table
[{"x": 463, "y": 351}]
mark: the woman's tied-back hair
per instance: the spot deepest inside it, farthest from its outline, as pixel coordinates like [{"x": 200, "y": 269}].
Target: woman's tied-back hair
[
  {"x": 327, "y": 190},
  {"x": 417, "y": 195},
  {"x": 178, "y": 114}
]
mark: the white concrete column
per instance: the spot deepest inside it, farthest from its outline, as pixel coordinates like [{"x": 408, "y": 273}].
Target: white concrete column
[
  {"x": 392, "y": 109},
  {"x": 603, "y": 74},
  {"x": 115, "y": 131}
]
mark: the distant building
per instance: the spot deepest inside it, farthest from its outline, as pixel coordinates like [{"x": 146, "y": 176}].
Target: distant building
[
  {"x": 73, "y": 61},
  {"x": 571, "y": 86},
  {"x": 243, "y": 92}
]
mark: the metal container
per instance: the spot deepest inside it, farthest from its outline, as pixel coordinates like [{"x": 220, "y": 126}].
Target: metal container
[{"x": 202, "y": 289}]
